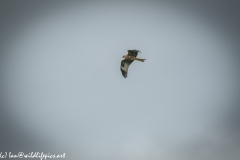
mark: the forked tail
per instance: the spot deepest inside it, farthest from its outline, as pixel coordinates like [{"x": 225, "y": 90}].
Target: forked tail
[{"x": 139, "y": 59}]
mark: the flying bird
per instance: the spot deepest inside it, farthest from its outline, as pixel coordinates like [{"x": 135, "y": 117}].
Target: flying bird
[{"x": 129, "y": 58}]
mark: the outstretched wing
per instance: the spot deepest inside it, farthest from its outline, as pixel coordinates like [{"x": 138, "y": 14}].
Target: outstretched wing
[
  {"x": 133, "y": 52},
  {"x": 124, "y": 66}
]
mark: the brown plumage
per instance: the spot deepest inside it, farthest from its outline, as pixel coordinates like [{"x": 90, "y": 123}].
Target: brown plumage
[{"x": 129, "y": 58}]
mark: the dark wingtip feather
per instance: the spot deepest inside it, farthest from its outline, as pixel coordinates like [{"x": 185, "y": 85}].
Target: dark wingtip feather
[{"x": 124, "y": 73}]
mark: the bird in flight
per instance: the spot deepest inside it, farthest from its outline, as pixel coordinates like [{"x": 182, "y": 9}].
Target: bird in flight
[{"x": 129, "y": 58}]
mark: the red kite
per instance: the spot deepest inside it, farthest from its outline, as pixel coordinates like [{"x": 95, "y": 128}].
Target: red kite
[{"x": 129, "y": 58}]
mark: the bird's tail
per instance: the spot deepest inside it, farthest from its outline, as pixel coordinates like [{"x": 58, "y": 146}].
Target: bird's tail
[{"x": 139, "y": 59}]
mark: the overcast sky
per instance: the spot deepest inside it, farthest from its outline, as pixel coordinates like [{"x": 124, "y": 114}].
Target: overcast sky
[{"x": 62, "y": 90}]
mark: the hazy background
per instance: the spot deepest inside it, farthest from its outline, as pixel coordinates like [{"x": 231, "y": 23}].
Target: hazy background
[{"x": 62, "y": 91}]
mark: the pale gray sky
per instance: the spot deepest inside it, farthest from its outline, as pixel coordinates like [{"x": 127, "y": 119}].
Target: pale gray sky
[{"x": 63, "y": 90}]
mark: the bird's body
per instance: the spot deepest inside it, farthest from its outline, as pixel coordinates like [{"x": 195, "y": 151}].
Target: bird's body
[
  {"x": 129, "y": 58},
  {"x": 133, "y": 58}
]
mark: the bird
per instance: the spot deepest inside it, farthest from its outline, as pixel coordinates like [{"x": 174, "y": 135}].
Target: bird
[{"x": 129, "y": 58}]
